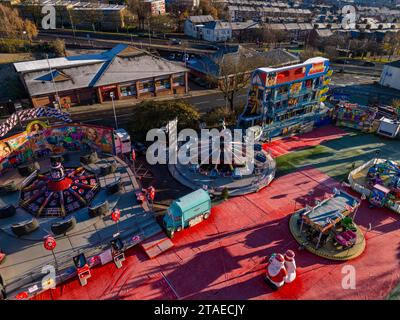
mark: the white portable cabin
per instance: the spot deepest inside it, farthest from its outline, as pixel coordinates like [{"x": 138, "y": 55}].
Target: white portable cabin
[
  {"x": 389, "y": 128},
  {"x": 122, "y": 141}
]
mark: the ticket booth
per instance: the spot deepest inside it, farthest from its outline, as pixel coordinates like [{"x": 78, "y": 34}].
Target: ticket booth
[
  {"x": 117, "y": 248},
  {"x": 82, "y": 269}
]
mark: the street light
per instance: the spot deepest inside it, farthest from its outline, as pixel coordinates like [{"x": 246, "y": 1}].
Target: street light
[{"x": 113, "y": 105}]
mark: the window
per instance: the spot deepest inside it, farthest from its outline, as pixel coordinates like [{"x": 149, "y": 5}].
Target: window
[
  {"x": 163, "y": 83},
  {"x": 146, "y": 86},
  {"x": 282, "y": 89},
  {"x": 179, "y": 80},
  {"x": 128, "y": 90},
  {"x": 298, "y": 71}
]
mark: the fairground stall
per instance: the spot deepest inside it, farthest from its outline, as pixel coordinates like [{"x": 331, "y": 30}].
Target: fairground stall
[
  {"x": 288, "y": 99},
  {"x": 379, "y": 181},
  {"x": 355, "y": 116},
  {"x": 328, "y": 228}
]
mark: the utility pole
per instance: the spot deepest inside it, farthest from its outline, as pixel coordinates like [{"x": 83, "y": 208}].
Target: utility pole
[
  {"x": 149, "y": 32},
  {"x": 72, "y": 26},
  {"x": 113, "y": 104},
  {"x": 54, "y": 83}
]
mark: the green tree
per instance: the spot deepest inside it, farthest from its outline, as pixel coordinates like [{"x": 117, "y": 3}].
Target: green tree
[
  {"x": 149, "y": 115},
  {"x": 225, "y": 193}
]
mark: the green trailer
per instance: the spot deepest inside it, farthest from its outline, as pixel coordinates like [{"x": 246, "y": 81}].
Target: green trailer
[{"x": 187, "y": 211}]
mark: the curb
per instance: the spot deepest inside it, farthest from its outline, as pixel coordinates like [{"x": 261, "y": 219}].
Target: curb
[{"x": 127, "y": 104}]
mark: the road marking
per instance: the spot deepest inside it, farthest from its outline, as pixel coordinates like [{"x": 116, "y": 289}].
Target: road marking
[{"x": 202, "y": 102}]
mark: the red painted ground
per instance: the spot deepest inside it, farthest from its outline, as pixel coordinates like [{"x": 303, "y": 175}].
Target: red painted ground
[
  {"x": 313, "y": 138},
  {"x": 223, "y": 258}
]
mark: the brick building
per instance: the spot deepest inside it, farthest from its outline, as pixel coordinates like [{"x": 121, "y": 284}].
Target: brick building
[{"x": 125, "y": 71}]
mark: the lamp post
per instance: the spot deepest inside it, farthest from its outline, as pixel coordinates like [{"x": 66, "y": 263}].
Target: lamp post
[
  {"x": 54, "y": 83},
  {"x": 377, "y": 152},
  {"x": 113, "y": 105},
  {"x": 363, "y": 197}
]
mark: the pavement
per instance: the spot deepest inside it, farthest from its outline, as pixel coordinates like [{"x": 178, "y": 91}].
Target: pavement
[{"x": 224, "y": 258}]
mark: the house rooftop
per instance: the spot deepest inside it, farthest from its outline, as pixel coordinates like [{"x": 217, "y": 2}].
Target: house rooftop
[
  {"x": 216, "y": 25},
  {"x": 395, "y": 64},
  {"x": 201, "y": 19}
]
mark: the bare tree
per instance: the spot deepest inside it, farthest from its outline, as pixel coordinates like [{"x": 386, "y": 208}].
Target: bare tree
[
  {"x": 93, "y": 16},
  {"x": 13, "y": 26},
  {"x": 137, "y": 8},
  {"x": 235, "y": 71},
  {"x": 308, "y": 53},
  {"x": 396, "y": 106}
]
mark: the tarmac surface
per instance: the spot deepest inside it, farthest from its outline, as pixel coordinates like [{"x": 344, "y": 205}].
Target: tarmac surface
[{"x": 224, "y": 258}]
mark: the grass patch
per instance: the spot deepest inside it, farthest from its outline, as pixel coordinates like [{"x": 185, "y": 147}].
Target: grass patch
[
  {"x": 292, "y": 161},
  {"x": 15, "y": 57},
  {"x": 395, "y": 294}
]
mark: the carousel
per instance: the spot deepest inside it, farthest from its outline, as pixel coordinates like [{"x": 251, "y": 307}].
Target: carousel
[
  {"x": 219, "y": 164},
  {"x": 59, "y": 192},
  {"x": 328, "y": 228}
]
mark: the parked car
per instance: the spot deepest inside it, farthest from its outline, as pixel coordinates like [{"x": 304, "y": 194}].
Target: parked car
[
  {"x": 140, "y": 148},
  {"x": 369, "y": 64},
  {"x": 341, "y": 61},
  {"x": 175, "y": 42}
]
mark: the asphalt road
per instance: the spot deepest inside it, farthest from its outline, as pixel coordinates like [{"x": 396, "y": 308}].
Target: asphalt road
[
  {"x": 96, "y": 42},
  {"x": 202, "y": 104},
  {"x": 351, "y": 68}
]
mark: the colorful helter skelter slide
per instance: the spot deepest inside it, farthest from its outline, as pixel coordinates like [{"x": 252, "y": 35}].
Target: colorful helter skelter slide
[
  {"x": 59, "y": 192},
  {"x": 282, "y": 99},
  {"x": 381, "y": 193}
]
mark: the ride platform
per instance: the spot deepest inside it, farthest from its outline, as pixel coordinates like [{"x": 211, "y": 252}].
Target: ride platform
[{"x": 328, "y": 250}]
